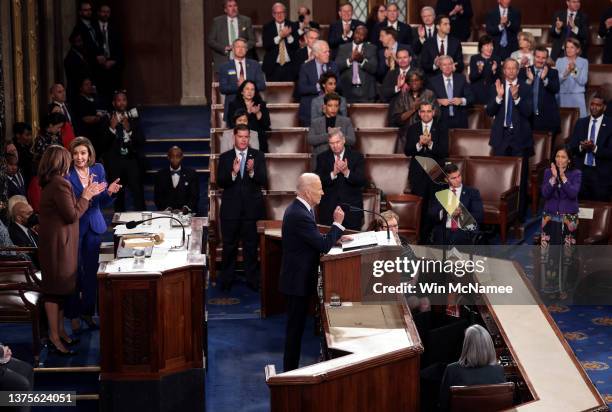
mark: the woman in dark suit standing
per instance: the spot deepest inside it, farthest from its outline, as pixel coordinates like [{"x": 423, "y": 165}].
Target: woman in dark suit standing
[
  {"x": 477, "y": 365},
  {"x": 82, "y": 303},
  {"x": 59, "y": 217},
  {"x": 484, "y": 70},
  {"x": 249, "y": 99}
]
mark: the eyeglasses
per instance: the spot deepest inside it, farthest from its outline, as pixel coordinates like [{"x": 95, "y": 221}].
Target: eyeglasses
[{"x": 122, "y": 91}]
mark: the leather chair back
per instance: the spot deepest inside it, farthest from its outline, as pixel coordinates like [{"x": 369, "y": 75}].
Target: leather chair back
[
  {"x": 215, "y": 94},
  {"x": 376, "y": 141},
  {"x": 368, "y": 115},
  {"x": 482, "y": 398},
  {"x": 569, "y": 116},
  {"x": 491, "y": 185},
  {"x": 408, "y": 208},
  {"x": 388, "y": 173},
  {"x": 542, "y": 143},
  {"x": 599, "y": 227},
  {"x": 284, "y": 170},
  {"x": 216, "y": 116},
  {"x": 467, "y": 142},
  {"x": 601, "y": 75},
  {"x": 477, "y": 117}
]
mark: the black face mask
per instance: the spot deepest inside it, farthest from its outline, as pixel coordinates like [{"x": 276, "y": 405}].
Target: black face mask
[{"x": 32, "y": 221}]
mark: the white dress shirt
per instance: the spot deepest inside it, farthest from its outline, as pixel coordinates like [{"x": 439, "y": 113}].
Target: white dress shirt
[
  {"x": 174, "y": 176},
  {"x": 507, "y": 95}
]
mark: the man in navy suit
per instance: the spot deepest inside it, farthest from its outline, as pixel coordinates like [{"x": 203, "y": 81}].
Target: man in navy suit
[
  {"x": 15, "y": 181},
  {"x": 544, "y": 82},
  {"x": 236, "y": 71},
  {"x": 404, "y": 32},
  {"x": 308, "y": 86},
  {"x": 448, "y": 226},
  {"x": 280, "y": 40},
  {"x": 567, "y": 23},
  {"x": 439, "y": 45},
  {"x": 305, "y": 54},
  {"x": 460, "y": 14},
  {"x": 427, "y": 138},
  {"x": 426, "y": 30},
  {"x": 341, "y": 31},
  {"x": 176, "y": 186},
  {"x": 303, "y": 245},
  {"x": 512, "y": 107},
  {"x": 591, "y": 144},
  {"x": 453, "y": 93},
  {"x": 503, "y": 24},
  {"x": 387, "y": 55},
  {"x": 242, "y": 175},
  {"x": 342, "y": 173}
]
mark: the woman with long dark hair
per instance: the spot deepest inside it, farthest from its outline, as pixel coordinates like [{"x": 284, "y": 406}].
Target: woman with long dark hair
[
  {"x": 59, "y": 217},
  {"x": 249, "y": 99}
]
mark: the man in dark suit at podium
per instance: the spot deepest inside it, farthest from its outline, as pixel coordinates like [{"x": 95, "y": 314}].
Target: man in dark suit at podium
[
  {"x": 448, "y": 229},
  {"x": 302, "y": 245},
  {"x": 242, "y": 175},
  {"x": 176, "y": 186},
  {"x": 342, "y": 173}
]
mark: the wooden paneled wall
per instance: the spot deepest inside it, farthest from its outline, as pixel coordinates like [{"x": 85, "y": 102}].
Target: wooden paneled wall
[{"x": 152, "y": 46}]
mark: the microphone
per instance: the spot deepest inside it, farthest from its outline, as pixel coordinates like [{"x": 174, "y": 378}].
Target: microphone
[
  {"x": 356, "y": 209},
  {"x": 133, "y": 223}
]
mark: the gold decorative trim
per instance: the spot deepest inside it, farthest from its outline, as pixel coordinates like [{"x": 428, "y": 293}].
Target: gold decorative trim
[
  {"x": 18, "y": 61},
  {"x": 32, "y": 40}
]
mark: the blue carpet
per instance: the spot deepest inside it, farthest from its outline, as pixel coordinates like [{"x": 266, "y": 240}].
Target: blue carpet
[{"x": 175, "y": 121}]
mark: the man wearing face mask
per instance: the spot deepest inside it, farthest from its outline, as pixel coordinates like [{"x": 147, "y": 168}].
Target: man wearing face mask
[{"x": 21, "y": 227}]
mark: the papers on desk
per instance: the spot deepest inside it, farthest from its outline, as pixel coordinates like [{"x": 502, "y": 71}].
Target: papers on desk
[
  {"x": 129, "y": 216},
  {"x": 585, "y": 213},
  {"x": 364, "y": 240}
]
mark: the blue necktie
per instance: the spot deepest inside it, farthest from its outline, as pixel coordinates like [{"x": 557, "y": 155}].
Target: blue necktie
[
  {"x": 509, "y": 107},
  {"x": 242, "y": 163},
  {"x": 536, "y": 91},
  {"x": 590, "y": 160},
  {"x": 449, "y": 95},
  {"x": 503, "y": 42}
]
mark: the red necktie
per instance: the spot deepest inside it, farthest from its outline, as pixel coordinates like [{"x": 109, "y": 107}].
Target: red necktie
[
  {"x": 454, "y": 225},
  {"x": 241, "y": 79}
]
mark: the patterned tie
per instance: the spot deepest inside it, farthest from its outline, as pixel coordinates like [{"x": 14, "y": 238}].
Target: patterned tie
[
  {"x": 242, "y": 163},
  {"x": 570, "y": 23},
  {"x": 449, "y": 95},
  {"x": 425, "y": 130},
  {"x": 441, "y": 48},
  {"x": 536, "y": 91},
  {"x": 590, "y": 160},
  {"x": 242, "y": 77},
  {"x": 455, "y": 205},
  {"x": 509, "y": 107},
  {"x": 355, "y": 65},
  {"x": 282, "y": 49},
  {"x": 504, "y": 35}
]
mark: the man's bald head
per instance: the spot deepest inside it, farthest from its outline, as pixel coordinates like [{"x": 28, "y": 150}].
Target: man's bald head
[{"x": 22, "y": 212}]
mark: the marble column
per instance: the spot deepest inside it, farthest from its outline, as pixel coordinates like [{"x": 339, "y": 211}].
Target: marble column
[{"x": 192, "y": 52}]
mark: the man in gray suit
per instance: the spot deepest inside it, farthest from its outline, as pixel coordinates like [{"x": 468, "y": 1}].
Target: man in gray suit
[
  {"x": 321, "y": 127},
  {"x": 227, "y": 28},
  {"x": 357, "y": 63}
]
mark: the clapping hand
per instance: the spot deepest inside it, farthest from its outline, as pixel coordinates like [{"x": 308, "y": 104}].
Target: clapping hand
[
  {"x": 421, "y": 31},
  {"x": 250, "y": 165},
  {"x": 503, "y": 20},
  {"x": 553, "y": 171},
  {"x": 285, "y": 32},
  {"x": 114, "y": 187},
  {"x": 494, "y": 66},
  {"x": 544, "y": 72},
  {"x": 456, "y": 101},
  {"x": 93, "y": 189},
  {"x": 514, "y": 89},
  {"x": 425, "y": 139},
  {"x": 236, "y": 166},
  {"x": 529, "y": 75},
  {"x": 443, "y": 102},
  {"x": 499, "y": 88}
]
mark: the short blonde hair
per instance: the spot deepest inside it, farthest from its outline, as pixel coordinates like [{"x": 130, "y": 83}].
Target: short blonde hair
[
  {"x": 83, "y": 141},
  {"x": 527, "y": 36}
]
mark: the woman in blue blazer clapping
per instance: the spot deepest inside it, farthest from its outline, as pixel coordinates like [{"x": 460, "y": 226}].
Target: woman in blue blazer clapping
[{"x": 92, "y": 226}]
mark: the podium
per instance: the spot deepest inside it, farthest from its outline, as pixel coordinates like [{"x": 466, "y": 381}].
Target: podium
[
  {"x": 151, "y": 329},
  {"x": 374, "y": 349}
]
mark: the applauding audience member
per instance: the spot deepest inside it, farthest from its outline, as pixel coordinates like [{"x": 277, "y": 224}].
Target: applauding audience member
[
  {"x": 249, "y": 100},
  {"x": 441, "y": 45},
  {"x": 453, "y": 93},
  {"x": 485, "y": 68},
  {"x": 404, "y": 32},
  {"x": 280, "y": 40},
  {"x": 357, "y": 64},
  {"x": 397, "y": 79},
  {"x": 341, "y": 31},
  {"x": 524, "y": 55},
  {"x": 227, "y": 138},
  {"x": 387, "y": 54},
  {"x": 503, "y": 24},
  {"x": 426, "y": 30},
  {"x": 225, "y": 29},
  {"x": 321, "y": 127},
  {"x": 573, "y": 75},
  {"x": 569, "y": 23},
  {"x": 460, "y": 14},
  {"x": 328, "y": 83}
]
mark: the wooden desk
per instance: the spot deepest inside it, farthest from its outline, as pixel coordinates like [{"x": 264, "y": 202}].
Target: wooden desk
[
  {"x": 151, "y": 325},
  {"x": 374, "y": 350}
]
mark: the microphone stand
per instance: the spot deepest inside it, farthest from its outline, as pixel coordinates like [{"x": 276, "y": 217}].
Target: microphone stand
[
  {"x": 133, "y": 223},
  {"x": 357, "y": 209}
]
